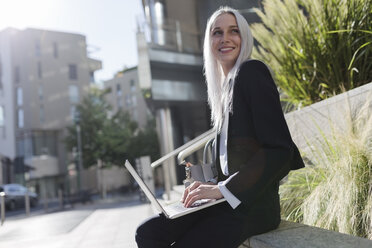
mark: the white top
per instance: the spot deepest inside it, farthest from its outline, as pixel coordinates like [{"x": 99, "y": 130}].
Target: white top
[{"x": 230, "y": 198}]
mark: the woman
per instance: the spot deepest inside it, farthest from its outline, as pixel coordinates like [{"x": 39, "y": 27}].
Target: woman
[{"x": 254, "y": 147}]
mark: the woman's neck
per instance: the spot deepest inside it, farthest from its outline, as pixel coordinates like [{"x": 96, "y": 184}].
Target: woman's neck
[{"x": 226, "y": 70}]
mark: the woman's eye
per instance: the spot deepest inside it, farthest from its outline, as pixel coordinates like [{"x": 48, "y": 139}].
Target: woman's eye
[
  {"x": 236, "y": 31},
  {"x": 217, "y": 32}
]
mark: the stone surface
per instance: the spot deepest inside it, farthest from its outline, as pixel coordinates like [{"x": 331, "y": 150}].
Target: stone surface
[
  {"x": 294, "y": 235},
  {"x": 333, "y": 114}
]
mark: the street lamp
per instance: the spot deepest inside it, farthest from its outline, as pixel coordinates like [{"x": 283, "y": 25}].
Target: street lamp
[{"x": 80, "y": 152}]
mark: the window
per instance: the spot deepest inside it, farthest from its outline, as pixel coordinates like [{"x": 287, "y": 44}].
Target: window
[
  {"x": 39, "y": 70},
  {"x": 118, "y": 90},
  {"x": 2, "y": 121},
  {"x": 37, "y": 49},
  {"x": 41, "y": 93},
  {"x": 19, "y": 96},
  {"x": 132, "y": 86},
  {"x": 72, "y": 72},
  {"x": 42, "y": 117},
  {"x": 20, "y": 118},
  {"x": 73, "y": 91},
  {"x": 55, "y": 50},
  {"x": 17, "y": 75},
  {"x": 91, "y": 74},
  {"x": 128, "y": 100}
]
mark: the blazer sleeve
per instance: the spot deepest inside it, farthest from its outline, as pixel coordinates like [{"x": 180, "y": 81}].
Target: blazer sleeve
[{"x": 271, "y": 159}]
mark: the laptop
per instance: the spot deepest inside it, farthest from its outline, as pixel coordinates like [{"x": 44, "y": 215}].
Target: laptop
[{"x": 173, "y": 210}]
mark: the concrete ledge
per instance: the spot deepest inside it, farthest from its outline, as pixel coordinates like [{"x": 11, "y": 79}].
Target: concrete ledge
[{"x": 294, "y": 235}]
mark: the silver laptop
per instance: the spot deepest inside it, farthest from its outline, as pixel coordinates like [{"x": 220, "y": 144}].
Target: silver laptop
[{"x": 176, "y": 209}]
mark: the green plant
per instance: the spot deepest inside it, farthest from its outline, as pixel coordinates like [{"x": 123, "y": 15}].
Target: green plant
[
  {"x": 110, "y": 138},
  {"x": 336, "y": 192},
  {"x": 316, "y": 48}
]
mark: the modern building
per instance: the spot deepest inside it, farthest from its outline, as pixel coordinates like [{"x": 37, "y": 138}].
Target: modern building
[
  {"x": 125, "y": 95},
  {"x": 43, "y": 75},
  {"x": 170, "y": 68}
]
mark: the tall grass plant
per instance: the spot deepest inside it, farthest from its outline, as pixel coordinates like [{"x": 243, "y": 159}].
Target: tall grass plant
[
  {"x": 334, "y": 191},
  {"x": 316, "y": 48}
]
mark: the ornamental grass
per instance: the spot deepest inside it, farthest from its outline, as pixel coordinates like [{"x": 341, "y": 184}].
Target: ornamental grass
[{"x": 334, "y": 190}]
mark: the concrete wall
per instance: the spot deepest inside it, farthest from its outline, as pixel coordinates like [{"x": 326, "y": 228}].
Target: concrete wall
[{"x": 307, "y": 123}]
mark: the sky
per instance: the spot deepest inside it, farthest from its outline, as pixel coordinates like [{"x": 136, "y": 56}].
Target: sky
[{"x": 109, "y": 26}]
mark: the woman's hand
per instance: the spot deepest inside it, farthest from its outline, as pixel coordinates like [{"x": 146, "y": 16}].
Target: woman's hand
[{"x": 198, "y": 190}]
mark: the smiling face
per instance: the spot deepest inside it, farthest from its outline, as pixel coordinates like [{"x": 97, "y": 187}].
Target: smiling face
[{"x": 226, "y": 41}]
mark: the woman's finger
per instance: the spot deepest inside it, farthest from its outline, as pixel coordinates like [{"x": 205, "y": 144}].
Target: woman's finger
[
  {"x": 192, "y": 199},
  {"x": 190, "y": 195},
  {"x": 191, "y": 187},
  {"x": 185, "y": 193}
]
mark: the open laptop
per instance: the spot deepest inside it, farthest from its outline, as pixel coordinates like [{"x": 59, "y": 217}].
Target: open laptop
[{"x": 176, "y": 209}]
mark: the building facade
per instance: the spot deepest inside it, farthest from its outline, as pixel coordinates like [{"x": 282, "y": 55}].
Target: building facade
[
  {"x": 170, "y": 69},
  {"x": 43, "y": 76},
  {"x": 125, "y": 95}
]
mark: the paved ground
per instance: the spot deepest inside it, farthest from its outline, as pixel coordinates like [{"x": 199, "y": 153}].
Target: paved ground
[{"x": 109, "y": 223}]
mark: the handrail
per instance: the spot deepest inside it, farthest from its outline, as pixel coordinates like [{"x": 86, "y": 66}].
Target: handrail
[
  {"x": 194, "y": 147},
  {"x": 204, "y": 137}
]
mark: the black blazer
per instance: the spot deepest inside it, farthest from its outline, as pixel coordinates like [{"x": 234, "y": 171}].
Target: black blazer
[{"x": 259, "y": 147}]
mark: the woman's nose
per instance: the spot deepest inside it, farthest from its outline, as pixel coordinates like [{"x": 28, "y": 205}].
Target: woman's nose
[{"x": 225, "y": 38}]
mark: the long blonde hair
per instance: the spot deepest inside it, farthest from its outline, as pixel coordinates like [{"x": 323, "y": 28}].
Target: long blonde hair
[{"x": 220, "y": 91}]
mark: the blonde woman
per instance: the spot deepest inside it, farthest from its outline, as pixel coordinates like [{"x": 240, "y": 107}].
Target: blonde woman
[{"x": 254, "y": 147}]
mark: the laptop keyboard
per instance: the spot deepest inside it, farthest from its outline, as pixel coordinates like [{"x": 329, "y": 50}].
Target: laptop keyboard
[{"x": 179, "y": 206}]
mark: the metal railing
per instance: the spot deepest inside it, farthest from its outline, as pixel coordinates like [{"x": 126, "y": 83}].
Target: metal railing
[
  {"x": 171, "y": 35},
  {"x": 185, "y": 150}
]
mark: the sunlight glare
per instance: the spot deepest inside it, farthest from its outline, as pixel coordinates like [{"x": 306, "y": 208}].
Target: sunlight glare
[{"x": 25, "y": 13}]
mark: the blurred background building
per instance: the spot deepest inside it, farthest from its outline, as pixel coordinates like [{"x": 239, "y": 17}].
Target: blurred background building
[
  {"x": 126, "y": 95},
  {"x": 43, "y": 76},
  {"x": 170, "y": 68}
]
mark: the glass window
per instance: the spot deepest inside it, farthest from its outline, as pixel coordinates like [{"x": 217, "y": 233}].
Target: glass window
[
  {"x": 20, "y": 118},
  {"x": 132, "y": 86},
  {"x": 42, "y": 117},
  {"x": 2, "y": 121},
  {"x": 19, "y": 96},
  {"x": 73, "y": 93},
  {"x": 91, "y": 74},
  {"x": 41, "y": 93},
  {"x": 118, "y": 90},
  {"x": 37, "y": 49},
  {"x": 128, "y": 100},
  {"x": 72, "y": 72},
  {"x": 55, "y": 49},
  {"x": 39, "y": 70}
]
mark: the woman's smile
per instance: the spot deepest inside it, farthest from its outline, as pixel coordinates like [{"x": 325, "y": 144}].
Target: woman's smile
[{"x": 226, "y": 40}]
